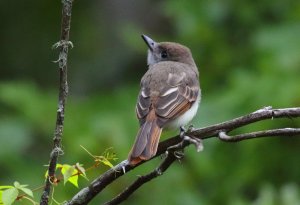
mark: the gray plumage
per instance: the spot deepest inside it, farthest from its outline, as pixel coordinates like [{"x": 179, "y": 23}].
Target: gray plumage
[{"x": 169, "y": 95}]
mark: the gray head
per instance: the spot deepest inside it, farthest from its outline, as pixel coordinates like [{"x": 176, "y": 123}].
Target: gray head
[{"x": 167, "y": 51}]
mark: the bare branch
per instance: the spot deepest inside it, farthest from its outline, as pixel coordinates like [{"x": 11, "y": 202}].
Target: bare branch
[
  {"x": 267, "y": 133},
  {"x": 88, "y": 193},
  {"x": 214, "y": 130},
  {"x": 143, "y": 179},
  {"x": 63, "y": 44}
]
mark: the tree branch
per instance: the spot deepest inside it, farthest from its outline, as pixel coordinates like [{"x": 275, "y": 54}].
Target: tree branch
[
  {"x": 267, "y": 133},
  {"x": 63, "y": 44},
  {"x": 88, "y": 193},
  {"x": 143, "y": 179}
]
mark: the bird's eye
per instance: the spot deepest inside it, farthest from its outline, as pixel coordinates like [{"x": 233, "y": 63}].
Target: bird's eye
[{"x": 164, "y": 54}]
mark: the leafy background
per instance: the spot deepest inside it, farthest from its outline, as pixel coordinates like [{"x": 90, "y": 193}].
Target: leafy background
[{"x": 248, "y": 54}]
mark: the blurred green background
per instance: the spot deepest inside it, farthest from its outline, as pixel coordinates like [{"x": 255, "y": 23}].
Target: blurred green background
[{"x": 248, "y": 53}]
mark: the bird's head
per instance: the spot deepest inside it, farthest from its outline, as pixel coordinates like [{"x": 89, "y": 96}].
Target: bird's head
[{"x": 167, "y": 51}]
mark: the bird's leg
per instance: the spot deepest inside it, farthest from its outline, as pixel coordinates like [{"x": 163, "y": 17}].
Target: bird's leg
[
  {"x": 185, "y": 138},
  {"x": 182, "y": 131}
]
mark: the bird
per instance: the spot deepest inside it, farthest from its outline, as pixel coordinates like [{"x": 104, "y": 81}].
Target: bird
[{"x": 169, "y": 96}]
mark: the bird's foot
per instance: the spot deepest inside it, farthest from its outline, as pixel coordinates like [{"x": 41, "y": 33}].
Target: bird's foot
[
  {"x": 176, "y": 150},
  {"x": 192, "y": 140},
  {"x": 183, "y": 131},
  {"x": 195, "y": 141}
]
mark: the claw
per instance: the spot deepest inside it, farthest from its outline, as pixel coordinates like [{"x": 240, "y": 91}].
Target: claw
[
  {"x": 179, "y": 154},
  {"x": 195, "y": 141},
  {"x": 183, "y": 131},
  {"x": 123, "y": 169},
  {"x": 191, "y": 128}
]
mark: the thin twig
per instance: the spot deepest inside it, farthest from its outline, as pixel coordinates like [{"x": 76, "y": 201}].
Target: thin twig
[
  {"x": 63, "y": 44},
  {"x": 267, "y": 133},
  {"x": 85, "y": 195}
]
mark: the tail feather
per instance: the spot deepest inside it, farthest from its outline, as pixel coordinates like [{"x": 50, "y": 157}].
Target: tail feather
[
  {"x": 141, "y": 140},
  {"x": 146, "y": 142},
  {"x": 153, "y": 140}
]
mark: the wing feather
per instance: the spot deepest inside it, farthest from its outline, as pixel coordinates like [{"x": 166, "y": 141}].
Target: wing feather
[
  {"x": 170, "y": 99},
  {"x": 174, "y": 102}
]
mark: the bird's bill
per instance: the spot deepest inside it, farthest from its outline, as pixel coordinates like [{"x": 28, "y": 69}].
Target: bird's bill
[{"x": 150, "y": 43}]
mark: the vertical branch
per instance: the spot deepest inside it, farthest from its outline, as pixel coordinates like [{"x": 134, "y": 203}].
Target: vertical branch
[{"x": 63, "y": 45}]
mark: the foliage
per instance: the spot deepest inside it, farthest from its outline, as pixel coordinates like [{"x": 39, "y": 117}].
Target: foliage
[{"x": 8, "y": 194}]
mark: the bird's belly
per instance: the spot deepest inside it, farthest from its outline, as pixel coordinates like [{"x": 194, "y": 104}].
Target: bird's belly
[{"x": 186, "y": 117}]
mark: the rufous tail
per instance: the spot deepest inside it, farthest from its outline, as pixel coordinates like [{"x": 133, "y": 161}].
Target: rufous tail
[{"x": 146, "y": 142}]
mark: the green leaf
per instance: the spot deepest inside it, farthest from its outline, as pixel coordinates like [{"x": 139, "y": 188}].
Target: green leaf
[
  {"x": 27, "y": 191},
  {"x": 107, "y": 155},
  {"x": 9, "y": 196},
  {"x": 106, "y": 162},
  {"x": 81, "y": 170},
  {"x": 74, "y": 180},
  {"x": 18, "y": 185},
  {"x": 22, "y": 188},
  {"x": 70, "y": 174},
  {"x": 59, "y": 166}
]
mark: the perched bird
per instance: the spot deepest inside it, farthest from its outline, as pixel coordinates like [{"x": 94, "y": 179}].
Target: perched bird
[{"x": 169, "y": 95}]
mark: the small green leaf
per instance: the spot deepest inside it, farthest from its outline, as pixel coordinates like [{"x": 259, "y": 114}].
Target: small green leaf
[
  {"x": 70, "y": 174},
  {"x": 16, "y": 184},
  {"x": 81, "y": 170},
  {"x": 22, "y": 188},
  {"x": 74, "y": 180},
  {"x": 107, "y": 155},
  {"x": 106, "y": 162},
  {"x": 27, "y": 191},
  {"x": 59, "y": 166},
  {"x": 9, "y": 196}
]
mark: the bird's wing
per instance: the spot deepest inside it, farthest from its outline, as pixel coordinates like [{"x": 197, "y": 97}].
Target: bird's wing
[
  {"x": 143, "y": 104},
  {"x": 174, "y": 97},
  {"x": 179, "y": 94}
]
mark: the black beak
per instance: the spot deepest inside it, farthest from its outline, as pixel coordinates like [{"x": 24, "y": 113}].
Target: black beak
[{"x": 150, "y": 43}]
